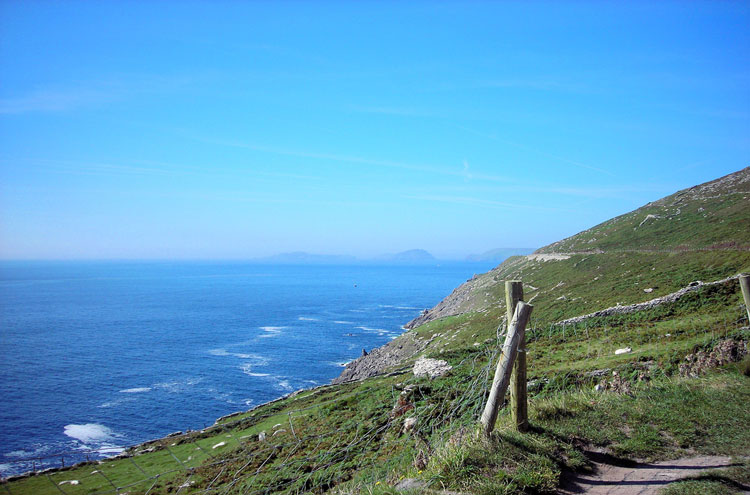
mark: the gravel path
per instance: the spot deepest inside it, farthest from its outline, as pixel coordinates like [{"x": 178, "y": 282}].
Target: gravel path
[{"x": 611, "y": 477}]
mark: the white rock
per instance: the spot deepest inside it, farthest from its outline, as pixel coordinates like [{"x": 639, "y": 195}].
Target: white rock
[
  {"x": 220, "y": 444},
  {"x": 282, "y": 430},
  {"x": 649, "y": 290},
  {"x": 431, "y": 367},
  {"x": 72, "y": 482},
  {"x": 624, "y": 350},
  {"x": 262, "y": 436},
  {"x": 409, "y": 424}
]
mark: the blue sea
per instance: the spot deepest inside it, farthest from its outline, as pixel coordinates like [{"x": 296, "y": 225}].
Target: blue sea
[{"x": 103, "y": 355}]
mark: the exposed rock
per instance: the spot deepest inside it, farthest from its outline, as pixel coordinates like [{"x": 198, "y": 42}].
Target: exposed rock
[
  {"x": 693, "y": 286},
  {"x": 726, "y": 351},
  {"x": 597, "y": 373},
  {"x": 616, "y": 384},
  {"x": 421, "y": 460},
  {"x": 364, "y": 353},
  {"x": 409, "y": 424},
  {"x": 220, "y": 444},
  {"x": 262, "y": 436},
  {"x": 648, "y": 217},
  {"x": 403, "y": 404},
  {"x": 381, "y": 358},
  {"x": 624, "y": 350},
  {"x": 410, "y": 484},
  {"x": 431, "y": 367},
  {"x": 548, "y": 257}
]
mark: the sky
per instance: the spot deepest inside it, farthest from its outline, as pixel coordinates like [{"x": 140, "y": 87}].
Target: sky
[{"x": 234, "y": 130}]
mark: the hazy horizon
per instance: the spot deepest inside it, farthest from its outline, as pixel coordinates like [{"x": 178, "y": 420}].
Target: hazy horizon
[
  {"x": 269, "y": 258},
  {"x": 238, "y": 130}
]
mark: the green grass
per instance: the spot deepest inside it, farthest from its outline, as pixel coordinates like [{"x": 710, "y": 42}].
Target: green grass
[
  {"x": 345, "y": 439},
  {"x": 733, "y": 480}
]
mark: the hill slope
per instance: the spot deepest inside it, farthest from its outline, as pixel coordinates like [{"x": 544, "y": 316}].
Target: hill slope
[{"x": 396, "y": 429}]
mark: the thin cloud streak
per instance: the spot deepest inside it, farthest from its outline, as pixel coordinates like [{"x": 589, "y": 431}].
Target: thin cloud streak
[
  {"x": 150, "y": 168},
  {"x": 74, "y": 96},
  {"x": 465, "y": 200},
  {"x": 537, "y": 151},
  {"x": 459, "y": 172}
]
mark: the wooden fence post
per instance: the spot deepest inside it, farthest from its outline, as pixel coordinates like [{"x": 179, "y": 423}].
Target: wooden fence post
[
  {"x": 518, "y": 401},
  {"x": 745, "y": 286},
  {"x": 500, "y": 383}
]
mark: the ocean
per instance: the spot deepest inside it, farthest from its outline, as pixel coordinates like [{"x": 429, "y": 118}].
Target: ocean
[{"x": 97, "y": 356}]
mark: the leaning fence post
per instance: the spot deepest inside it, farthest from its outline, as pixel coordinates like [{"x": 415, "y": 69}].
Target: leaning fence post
[
  {"x": 745, "y": 286},
  {"x": 518, "y": 404},
  {"x": 504, "y": 365}
]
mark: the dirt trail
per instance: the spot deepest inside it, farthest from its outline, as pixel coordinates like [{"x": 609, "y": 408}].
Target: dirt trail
[{"x": 616, "y": 477}]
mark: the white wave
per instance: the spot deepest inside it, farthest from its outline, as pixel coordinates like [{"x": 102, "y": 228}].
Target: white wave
[
  {"x": 379, "y": 331},
  {"x": 283, "y": 384},
  {"x": 18, "y": 453},
  {"x": 109, "y": 449},
  {"x": 176, "y": 387},
  {"x": 247, "y": 368},
  {"x": 137, "y": 390},
  {"x": 343, "y": 322},
  {"x": 90, "y": 432},
  {"x": 338, "y": 363},
  {"x": 240, "y": 355},
  {"x": 358, "y": 310},
  {"x": 406, "y": 307},
  {"x": 118, "y": 401},
  {"x": 271, "y": 331},
  {"x": 308, "y": 318}
]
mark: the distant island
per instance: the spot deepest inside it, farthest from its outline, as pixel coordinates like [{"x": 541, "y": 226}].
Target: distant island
[
  {"x": 410, "y": 256},
  {"x": 301, "y": 257}
]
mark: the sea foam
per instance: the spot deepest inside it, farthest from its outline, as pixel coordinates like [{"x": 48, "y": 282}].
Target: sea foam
[
  {"x": 89, "y": 432},
  {"x": 271, "y": 331},
  {"x": 137, "y": 390}
]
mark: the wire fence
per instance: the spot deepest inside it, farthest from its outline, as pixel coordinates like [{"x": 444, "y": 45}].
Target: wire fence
[
  {"x": 331, "y": 438},
  {"x": 328, "y": 438}
]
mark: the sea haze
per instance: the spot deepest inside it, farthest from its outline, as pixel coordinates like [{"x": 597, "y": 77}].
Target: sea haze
[{"x": 103, "y": 355}]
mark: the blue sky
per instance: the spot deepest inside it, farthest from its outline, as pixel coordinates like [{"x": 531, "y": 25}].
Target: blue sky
[{"x": 241, "y": 129}]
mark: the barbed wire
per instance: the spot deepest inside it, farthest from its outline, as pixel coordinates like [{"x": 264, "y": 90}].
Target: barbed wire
[
  {"x": 326, "y": 442},
  {"x": 357, "y": 435}
]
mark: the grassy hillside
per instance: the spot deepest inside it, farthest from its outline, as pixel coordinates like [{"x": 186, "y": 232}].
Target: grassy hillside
[
  {"x": 355, "y": 437},
  {"x": 709, "y": 216}
]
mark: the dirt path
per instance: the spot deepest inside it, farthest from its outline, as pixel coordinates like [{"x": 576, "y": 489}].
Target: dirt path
[{"x": 615, "y": 477}]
